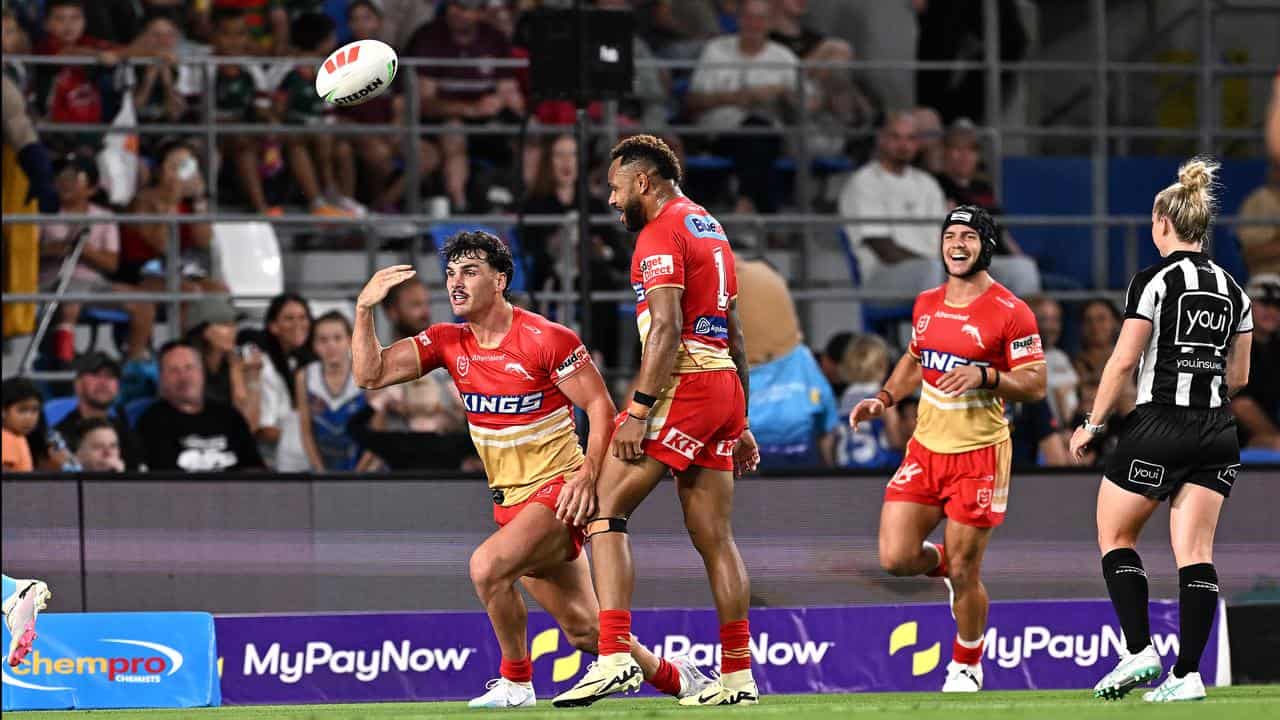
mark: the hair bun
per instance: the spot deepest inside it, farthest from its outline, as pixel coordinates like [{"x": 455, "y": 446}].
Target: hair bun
[{"x": 1197, "y": 174}]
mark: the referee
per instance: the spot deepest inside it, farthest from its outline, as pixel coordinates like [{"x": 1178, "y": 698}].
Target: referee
[{"x": 1187, "y": 330}]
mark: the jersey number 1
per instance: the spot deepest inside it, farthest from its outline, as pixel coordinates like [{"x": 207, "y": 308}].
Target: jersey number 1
[{"x": 722, "y": 293}]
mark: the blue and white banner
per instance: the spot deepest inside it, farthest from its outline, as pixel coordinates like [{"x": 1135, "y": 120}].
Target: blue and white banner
[{"x": 116, "y": 660}]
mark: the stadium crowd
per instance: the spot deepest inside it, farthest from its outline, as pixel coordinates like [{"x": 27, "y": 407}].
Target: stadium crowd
[{"x": 281, "y": 395}]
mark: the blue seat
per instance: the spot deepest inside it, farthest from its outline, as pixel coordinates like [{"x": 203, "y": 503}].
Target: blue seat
[
  {"x": 708, "y": 163},
  {"x": 135, "y": 408},
  {"x": 1259, "y": 456},
  {"x": 57, "y": 409},
  {"x": 825, "y": 165},
  {"x": 99, "y": 317},
  {"x": 874, "y": 317}
]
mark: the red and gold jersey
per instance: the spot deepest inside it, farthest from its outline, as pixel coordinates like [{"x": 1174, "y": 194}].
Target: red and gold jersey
[
  {"x": 685, "y": 247},
  {"x": 996, "y": 330},
  {"x": 521, "y": 424}
]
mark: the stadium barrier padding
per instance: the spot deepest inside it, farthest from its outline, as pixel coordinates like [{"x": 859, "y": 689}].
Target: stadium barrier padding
[
  {"x": 868, "y": 648},
  {"x": 116, "y": 660}
]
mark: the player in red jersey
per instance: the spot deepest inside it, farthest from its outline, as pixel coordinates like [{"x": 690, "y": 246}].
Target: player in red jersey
[
  {"x": 688, "y": 416},
  {"x": 520, "y": 375},
  {"x": 974, "y": 345}
]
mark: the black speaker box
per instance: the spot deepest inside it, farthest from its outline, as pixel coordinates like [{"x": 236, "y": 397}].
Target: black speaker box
[{"x": 556, "y": 56}]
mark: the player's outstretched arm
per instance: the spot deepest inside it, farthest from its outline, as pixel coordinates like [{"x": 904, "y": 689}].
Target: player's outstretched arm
[
  {"x": 373, "y": 365},
  {"x": 902, "y": 382}
]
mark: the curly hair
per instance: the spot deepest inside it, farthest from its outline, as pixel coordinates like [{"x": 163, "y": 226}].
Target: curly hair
[
  {"x": 650, "y": 149},
  {"x": 469, "y": 244}
]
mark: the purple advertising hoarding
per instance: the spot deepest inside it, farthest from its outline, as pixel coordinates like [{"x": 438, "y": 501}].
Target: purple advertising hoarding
[
  {"x": 424, "y": 656},
  {"x": 450, "y": 656}
]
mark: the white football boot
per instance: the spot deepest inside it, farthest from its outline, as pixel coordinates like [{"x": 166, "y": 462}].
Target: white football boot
[
  {"x": 736, "y": 688},
  {"x": 1173, "y": 689},
  {"x": 1140, "y": 668},
  {"x": 609, "y": 674},
  {"x": 692, "y": 681},
  {"x": 962, "y": 678},
  {"x": 20, "y": 611},
  {"x": 504, "y": 693}
]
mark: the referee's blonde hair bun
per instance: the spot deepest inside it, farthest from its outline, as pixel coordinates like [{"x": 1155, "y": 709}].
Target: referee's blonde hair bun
[{"x": 1189, "y": 204}]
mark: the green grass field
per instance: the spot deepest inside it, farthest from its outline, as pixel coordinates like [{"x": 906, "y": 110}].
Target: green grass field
[{"x": 1235, "y": 703}]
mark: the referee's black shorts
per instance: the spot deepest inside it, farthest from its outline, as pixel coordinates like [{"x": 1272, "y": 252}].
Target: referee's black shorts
[{"x": 1162, "y": 447}]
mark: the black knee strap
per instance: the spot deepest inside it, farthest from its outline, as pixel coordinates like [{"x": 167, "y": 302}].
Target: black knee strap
[{"x": 598, "y": 526}]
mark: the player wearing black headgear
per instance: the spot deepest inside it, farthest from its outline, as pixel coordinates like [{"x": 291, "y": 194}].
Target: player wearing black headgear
[{"x": 983, "y": 224}]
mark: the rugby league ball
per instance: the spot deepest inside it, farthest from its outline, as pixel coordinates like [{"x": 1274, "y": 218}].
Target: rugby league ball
[{"x": 356, "y": 72}]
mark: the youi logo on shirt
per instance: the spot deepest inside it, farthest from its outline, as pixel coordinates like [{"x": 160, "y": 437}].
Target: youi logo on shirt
[{"x": 1204, "y": 319}]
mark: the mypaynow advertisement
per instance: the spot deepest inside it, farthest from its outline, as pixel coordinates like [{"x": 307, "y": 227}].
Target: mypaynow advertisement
[
  {"x": 450, "y": 656},
  {"x": 116, "y": 660}
]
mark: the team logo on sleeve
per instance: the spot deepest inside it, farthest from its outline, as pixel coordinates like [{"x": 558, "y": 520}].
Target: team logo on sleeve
[
  {"x": 422, "y": 339},
  {"x": 922, "y": 324},
  {"x": 1028, "y": 346},
  {"x": 656, "y": 266},
  {"x": 571, "y": 364}
]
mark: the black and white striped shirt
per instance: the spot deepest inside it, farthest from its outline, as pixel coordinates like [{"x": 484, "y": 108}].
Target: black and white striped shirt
[{"x": 1195, "y": 308}]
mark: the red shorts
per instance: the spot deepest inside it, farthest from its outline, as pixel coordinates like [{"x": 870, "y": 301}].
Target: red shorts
[
  {"x": 972, "y": 487},
  {"x": 545, "y": 495},
  {"x": 697, "y": 421}
]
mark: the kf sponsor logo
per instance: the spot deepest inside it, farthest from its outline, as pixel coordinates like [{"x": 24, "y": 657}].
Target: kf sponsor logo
[
  {"x": 681, "y": 443},
  {"x": 422, "y": 339},
  {"x": 906, "y": 473}
]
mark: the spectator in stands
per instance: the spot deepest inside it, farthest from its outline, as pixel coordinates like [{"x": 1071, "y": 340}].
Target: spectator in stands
[
  {"x": 72, "y": 93},
  {"x": 1038, "y": 440},
  {"x": 13, "y": 41},
  {"x": 211, "y": 330},
  {"x": 158, "y": 95},
  {"x": 737, "y": 84},
  {"x": 184, "y": 431},
  {"x": 177, "y": 189},
  {"x": 1260, "y": 244},
  {"x": 962, "y": 185},
  {"x": 266, "y": 23},
  {"x": 97, "y": 389},
  {"x": 930, "y": 156},
  {"x": 1273, "y": 122},
  {"x": 272, "y": 359},
  {"x": 553, "y": 249},
  {"x": 900, "y": 256},
  {"x": 1257, "y": 407},
  {"x": 830, "y": 358},
  {"x": 677, "y": 29},
  {"x": 21, "y": 418},
  {"x": 328, "y": 398},
  {"x": 76, "y": 178},
  {"x": 1063, "y": 395},
  {"x": 379, "y": 155},
  {"x": 97, "y": 446},
  {"x": 878, "y": 443},
  {"x": 471, "y": 95},
  {"x": 842, "y": 104},
  {"x": 403, "y": 18},
  {"x": 240, "y": 97},
  {"x": 793, "y": 409},
  {"x": 319, "y": 165},
  {"x": 1099, "y": 327}
]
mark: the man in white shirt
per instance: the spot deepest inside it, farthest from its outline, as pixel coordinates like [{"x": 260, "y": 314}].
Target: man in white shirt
[
  {"x": 746, "y": 80},
  {"x": 901, "y": 255}
]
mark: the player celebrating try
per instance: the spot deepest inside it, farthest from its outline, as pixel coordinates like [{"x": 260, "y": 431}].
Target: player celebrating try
[
  {"x": 520, "y": 376},
  {"x": 974, "y": 345},
  {"x": 688, "y": 415}
]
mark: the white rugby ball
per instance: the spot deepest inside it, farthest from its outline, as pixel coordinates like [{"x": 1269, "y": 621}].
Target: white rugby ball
[{"x": 357, "y": 72}]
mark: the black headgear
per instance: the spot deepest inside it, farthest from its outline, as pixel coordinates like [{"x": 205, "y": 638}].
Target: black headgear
[{"x": 983, "y": 224}]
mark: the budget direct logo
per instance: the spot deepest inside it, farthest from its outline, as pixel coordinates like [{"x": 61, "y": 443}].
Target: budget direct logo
[{"x": 117, "y": 665}]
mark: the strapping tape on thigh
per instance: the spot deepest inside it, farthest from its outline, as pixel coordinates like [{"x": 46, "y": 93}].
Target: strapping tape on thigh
[{"x": 598, "y": 526}]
